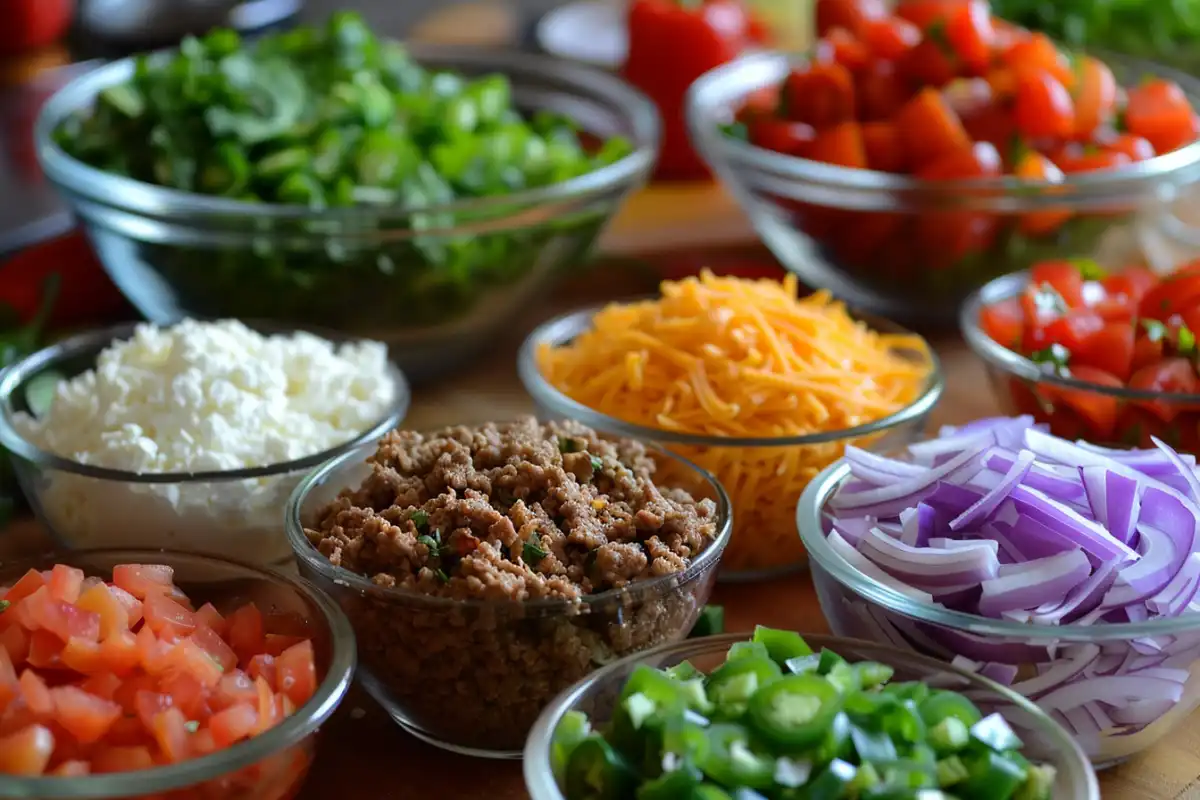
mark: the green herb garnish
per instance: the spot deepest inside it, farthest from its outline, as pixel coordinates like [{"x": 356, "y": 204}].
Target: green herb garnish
[
  {"x": 420, "y": 518},
  {"x": 191, "y": 726},
  {"x": 1055, "y": 357},
  {"x": 1046, "y": 299},
  {"x": 1185, "y": 341},
  {"x": 4, "y": 604},
  {"x": 1089, "y": 270},
  {"x": 568, "y": 445},
  {"x": 441, "y": 575},
  {"x": 597, "y": 464},
  {"x": 429, "y": 542},
  {"x": 532, "y": 552},
  {"x": 1155, "y": 330}
]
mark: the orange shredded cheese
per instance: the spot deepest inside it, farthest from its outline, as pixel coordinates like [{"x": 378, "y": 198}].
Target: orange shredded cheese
[{"x": 724, "y": 357}]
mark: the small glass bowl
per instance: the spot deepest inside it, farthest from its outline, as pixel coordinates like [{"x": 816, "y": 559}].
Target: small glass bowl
[
  {"x": 270, "y": 766},
  {"x": 1110, "y": 724},
  {"x": 763, "y": 544},
  {"x": 232, "y": 513},
  {"x": 1075, "y": 409},
  {"x": 913, "y": 249},
  {"x": 1045, "y": 741},
  {"x": 471, "y": 676}
]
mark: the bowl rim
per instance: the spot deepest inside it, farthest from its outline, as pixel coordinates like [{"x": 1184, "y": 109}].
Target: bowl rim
[
  {"x": 1007, "y": 287},
  {"x": 706, "y": 96},
  {"x": 537, "y": 771},
  {"x": 162, "y": 202},
  {"x": 809, "y": 511},
  {"x": 311, "y": 558},
  {"x": 291, "y": 731},
  {"x": 94, "y": 341},
  {"x": 565, "y": 327}
]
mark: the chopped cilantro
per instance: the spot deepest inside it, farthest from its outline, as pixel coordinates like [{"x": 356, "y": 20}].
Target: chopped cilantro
[
  {"x": 4, "y": 604},
  {"x": 597, "y": 464},
  {"x": 420, "y": 518},
  {"x": 191, "y": 726},
  {"x": 1185, "y": 341},
  {"x": 442, "y": 576},
  {"x": 1089, "y": 270},
  {"x": 429, "y": 542},
  {"x": 568, "y": 445},
  {"x": 532, "y": 552},
  {"x": 1119, "y": 123},
  {"x": 1055, "y": 357},
  {"x": 936, "y": 33},
  {"x": 1155, "y": 330},
  {"x": 1017, "y": 150}
]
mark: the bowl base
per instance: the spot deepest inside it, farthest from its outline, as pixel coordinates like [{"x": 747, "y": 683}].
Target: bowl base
[{"x": 764, "y": 574}]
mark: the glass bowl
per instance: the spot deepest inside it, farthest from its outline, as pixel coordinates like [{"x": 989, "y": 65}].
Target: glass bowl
[
  {"x": 764, "y": 544},
  {"x": 1075, "y": 409},
  {"x": 912, "y": 249},
  {"x": 436, "y": 283},
  {"x": 270, "y": 766},
  {"x": 235, "y": 513},
  {"x": 1045, "y": 741},
  {"x": 1110, "y": 719},
  {"x": 471, "y": 676}
]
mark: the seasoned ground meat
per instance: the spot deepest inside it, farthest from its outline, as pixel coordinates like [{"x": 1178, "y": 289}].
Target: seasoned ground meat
[{"x": 509, "y": 514}]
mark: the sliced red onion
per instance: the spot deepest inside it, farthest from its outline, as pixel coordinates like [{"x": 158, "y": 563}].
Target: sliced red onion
[
  {"x": 1091, "y": 536},
  {"x": 1149, "y": 462},
  {"x": 853, "y": 529},
  {"x": 1184, "y": 468},
  {"x": 1158, "y": 564},
  {"x": 1032, "y": 583},
  {"x": 917, "y": 523},
  {"x": 1140, "y": 712},
  {"x": 1111, "y": 689},
  {"x": 1175, "y": 596},
  {"x": 866, "y": 567},
  {"x": 984, "y": 506},
  {"x": 1071, "y": 663},
  {"x": 1082, "y": 599},
  {"x": 860, "y": 459},
  {"x": 1114, "y": 499},
  {"x": 926, "y": 565},
  {"x": 942, "y": 543},
  {"x": 927, "y": 453},
  {"x": 902, "y": 493},
  {"x": 1042, "y": 477}
]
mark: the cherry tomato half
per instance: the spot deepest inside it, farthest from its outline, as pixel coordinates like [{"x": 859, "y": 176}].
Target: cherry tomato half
[
  {"x": 1172, "y": 376},
  {"x": 821, "y": 95},
  {"x": 929, "y": 128},
  {"x": 1109, "y": 349},
  {"x": 1159, "y": 111},
  {"x": 1043, "y": 106}
]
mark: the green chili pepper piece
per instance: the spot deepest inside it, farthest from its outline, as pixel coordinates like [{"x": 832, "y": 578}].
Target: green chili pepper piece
[
  {"x": 950, "y": 735},
  {"x": 731, "y": 685},
  {"x": 951, "y": 771},
  {"x": 710, "y": 622},
  {"x": 872, "y": 674},
  {"x": 991, "y": 776},
  {"x": 994, "y": 732},
  {"x": 572, "y": 729},
  {"x": 708, "y": 791},
  {"x": 941, "y": 704},
  {"x": 836, "y": 742},
  {"x": 781, "y": 645},
  {"x": 731, "y": 762},
  {"x": 872, "y": 745},
  {"x": 656, "y": 686},
  {"x": 683, "y": 671},
  {"x": 597, "y": 772},
  {"x": 909, "y": 690},
  {"x": 831, "y": 783},
  {"x": 1038, "y": 785},
  {"x": 742, "y": 650},
  {"x": 794, "y": 711},
  {"x": 804, "y": 664},
  {"x": 829, "y": 660}
]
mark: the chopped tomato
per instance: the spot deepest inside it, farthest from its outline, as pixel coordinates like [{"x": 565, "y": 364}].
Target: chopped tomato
[
  {"x": 1170, "y": 375},
  {"x": 1135, "y": 148},
  {"x": 85, "y": 716},
  {"x": 841, "y": 145},
  {"x": 929, "y": 129},
  {"x": 889, "y": 38},
  {"x": 237, "y": 687},
  {"x": 165, "y": 617},
  {"x": 170, "y": 732},
  {"x": 233, "y": 724},
  {"x": 263, "y": 666},
  {"x": 1109, "y": 349},
  {"x": 26, "y": 752},
  {"x": 977, "y": 161},
  {"x": 297, "y": 672},
  {"x": 926, "y": 13},
  {"x": 840, "y": 46},
  {"x": 247, "y": 635},
  {"x": 821, "y": 95},
  {"x": 1037, "y": 52},
  {"x": 122, "y": 759},
  {"x": 1043, "y": 106},
  {"x": 35, "y": 693},
  {"x": 1076, "y": 157},
  {"x": 848, "y": 14},
  {"x": 970, "y": 33},
  {"x": 932, "y": 63},
  {"x": 45, "y": 649},
  {"x": 1095, "y": 96},
  {"x": 216, "y": 648},
  {"x": 1159, "y": 111},
  {"x": 121, "y": 652},
  {"x": 15, "y": 641},
  {"x": 781, "y": 135},
  {"x": 1173, "y": 295},
  {"x": 1096, "y": 410},
  {"x": 880, "y": 91},
  {"x": 142, "y": 579},
  {"x": 29, "y": 583},
  {"x": 1036, "y": 167},
  {"x": 1061, "y": 276},
  {"x": 111, "y": 611},
  {"x": 1069, "y": 330},
  {"x": 84, "y": 656},
  {"x": 1147, "y": 350},
  {"x": 65, "y": 583},
  {"x": 883, "y": 146}
]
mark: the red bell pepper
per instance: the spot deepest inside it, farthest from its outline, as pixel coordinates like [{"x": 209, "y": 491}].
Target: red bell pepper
[
  {"x": 86, "y": 297},
  {"x": 671, "y": 44}
]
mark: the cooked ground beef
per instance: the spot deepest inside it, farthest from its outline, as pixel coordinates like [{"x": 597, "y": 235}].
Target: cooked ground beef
[{"x": 513, "y": 512}]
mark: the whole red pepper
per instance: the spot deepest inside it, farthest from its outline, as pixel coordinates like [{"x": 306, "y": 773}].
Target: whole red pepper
[
  {"x": 86, "y": 296},
  {"x": 671, "y": 44}
]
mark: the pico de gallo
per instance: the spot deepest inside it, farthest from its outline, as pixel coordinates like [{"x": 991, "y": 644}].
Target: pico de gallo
[
  {"x": 113, "y": 676},
  {"x": 1127, "y": 330}
]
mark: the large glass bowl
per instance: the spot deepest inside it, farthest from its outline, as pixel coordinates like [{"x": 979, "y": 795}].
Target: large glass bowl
[
  {"x": 270, "y": 766},
  {"x": 1098, "y": 686},
  {"x": 1075, "y": 409},
  {"x": 233, "y": 513},
  {"x": 764, "y": 544},
  {"x": 912, "y": 249},
  {"x": 436, "y": 283},
  {"x": 1045, "y": 742},
  {"x": 471, "y": 676}
]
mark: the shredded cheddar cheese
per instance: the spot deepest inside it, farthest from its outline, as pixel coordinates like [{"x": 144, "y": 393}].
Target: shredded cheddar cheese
[{"x": 729, "y": 357}]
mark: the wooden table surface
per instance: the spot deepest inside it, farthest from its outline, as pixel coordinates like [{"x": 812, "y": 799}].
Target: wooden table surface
[{"x": 365, "y": 756}]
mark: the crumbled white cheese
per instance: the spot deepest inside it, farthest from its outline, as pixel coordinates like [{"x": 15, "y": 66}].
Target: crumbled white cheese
[{"x": 200, "y": 397}]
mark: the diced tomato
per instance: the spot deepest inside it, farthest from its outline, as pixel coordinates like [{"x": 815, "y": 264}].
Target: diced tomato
[
  {"x": 215, "y": 648},
  {"x": 152, "y": 653},
  {"x": 890, "y": 38},
  {"x": 84, "y": 656},
  {"x": 781, "y": 135},
  {"x": 247, "y": 636},
  {"x": 1096, "y": 410},
  {"x": 26, "y": 752},
  {"x": 166, "y": 617},
  {"x": 72, "y": 769},
  {"x": 1133, "y": 282},
  {"x": 189, "y": 658},
  {"x": 9, "y": 685},
  {"x": 1158, "y": 110},
  {"x": 65, "y": 583},
  {"x": 1095, "y": 96},
  {"x": 1038, "y": 52},
  {"x": 848, "y": 14},
  {"x": 1069, "y": 330},
  {"x": 233, "y": 724},
  {"x": 85, "y": 716},
  {"x": 15, "y": 641},
  {"x": 1135, "y": 148},
  {"x": 1043, "y": 106},
  {"x": 142, "y": 579},
  {"x": 276, "y": 643},
  {"x": 1170, "y": 375},
  {"x": 122, "y": 759},
  {"x": 840, "y": 46},
  {"x": 929, "y": 129},
  {"x": 841, "y": 145},
  {"x": 45, "y": 650},
  {"x": 111, "y": 611},
  {"x": 102, "y": 684},
  {"x": 1147, "y": 350},
  {"x": 263, "y": 666},
  {"x": 62, "y": 619},
  {"x": 297, "y": 672},
  {"x": 980, "y": 160},
  {"x": 149, "y": 704},
  {"x": 883, "y": 146},
  {"x": 926, "y": 13},
  {"x": 133, "y": 606},
  {"x": 1061, "y": 276},
  {"x": 121, "y": 653},
  {"x": 203, "y": 743},
  {"x": 1034, "y": 166},
  {"x": 970, "y": 33},
  {"x": 1174, "y": 294},
  {"x": 233, "y": 688},
  {"x": 1110, "y": 349},
  {"x": 35, "y": 693},
  {"x": 880, "y": 91},
  {"x": 821, "y": 95},
  {"x": 932, "y": 63},
  {"x": 186, "y": 693},
  {"x": 29, "y": 583},
  {"x": 1075, "y": 158}
]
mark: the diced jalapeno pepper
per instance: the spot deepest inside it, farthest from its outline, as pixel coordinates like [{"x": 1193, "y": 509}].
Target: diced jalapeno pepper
[
  {"x": 795, "y": 711},
  {"x": 908, "y": 690},
  {"x": 742, "y": 650},
  {"x": 781, "y": 645},
  {"x": 710, "y": 622},
  {"x": 995, "y": 733},
  {"x": 572, "y": 729},
  {"x": 1038, "y": 785},
  {"x": 830, "y": 784},
  {"x": 597, "y": 772},
  {"x": 683, "y": 671},
  {"x": 941, "y": 704},
  {"x": 991, "y": 776},
  {"x": 872, "y": 745},
  {"x": 872, "y": 674},
  {"x": 709, "y": 791},
  {"x": 731, "y": 685},
  {"x": 803, "y": 664},
  {"x": 836, "y": 742},
  {"x": 678, "y": 785},
  {"x": 731, "y": 762},
  {"x": 829, "y": 660},
  {"x": 951, "y": 771},
  {"x": 950, "y": 735}
]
